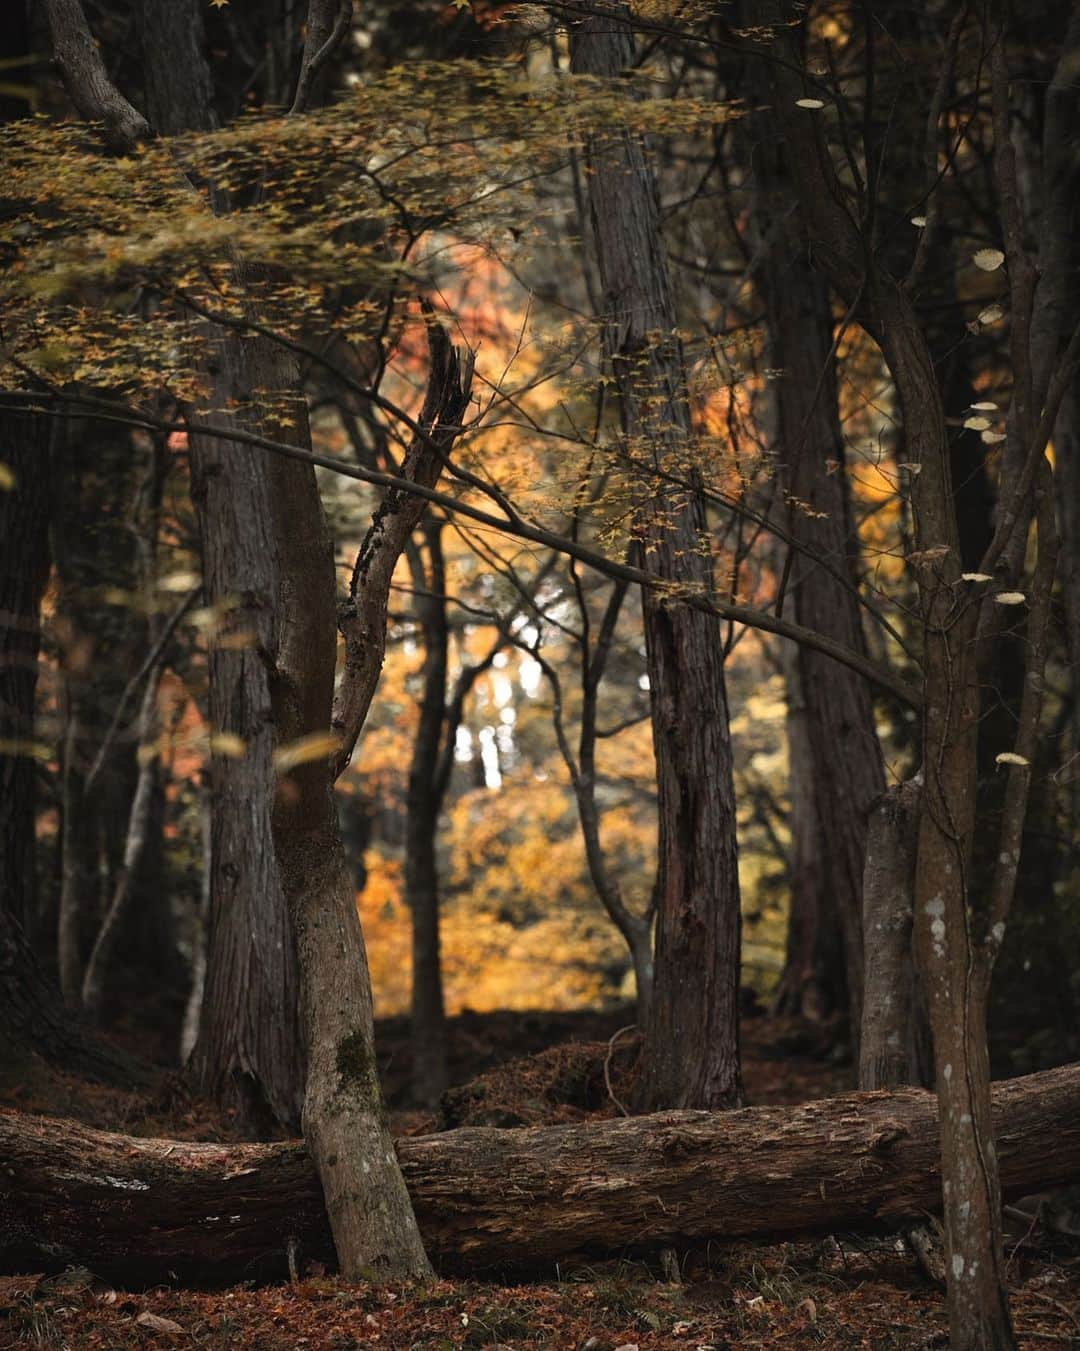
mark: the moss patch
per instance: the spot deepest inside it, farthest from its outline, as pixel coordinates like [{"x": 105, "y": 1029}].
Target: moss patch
[{"x": 356, "y": 1066}]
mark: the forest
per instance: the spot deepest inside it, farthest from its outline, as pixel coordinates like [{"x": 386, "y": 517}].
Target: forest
[{"x": 540, "y": 674}]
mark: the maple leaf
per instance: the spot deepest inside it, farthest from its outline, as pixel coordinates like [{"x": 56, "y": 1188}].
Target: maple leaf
[{"x": 218, "y": 4}]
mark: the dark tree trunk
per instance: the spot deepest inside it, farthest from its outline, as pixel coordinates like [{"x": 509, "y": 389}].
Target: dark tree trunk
[
  {"x": 421, "y": 830},
  {"x": 692, "y": 1043},
  {"x": 24, "y": 571},
  {"x": 514, "y": 1200},
  {"x": 812, "y": 984},
  {"x": 838, "y": 770},
  {"x": 249, "y": 1050},
  {"x": 1067, "y": 453}
]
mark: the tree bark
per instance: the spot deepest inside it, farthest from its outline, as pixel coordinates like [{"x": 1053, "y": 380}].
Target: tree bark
[
  {"x": 812, "y": 985},
  {"x": 249, "y": 1050},
  {"x": 838, "y": 765},
  {"x": 692, "y": 1041},
  {"x": 344, "y": 1121},
  {"x": 425, "y": 797},
  {"x": 893, "y": 1049},
  {"x": 514, "y": 1200}
]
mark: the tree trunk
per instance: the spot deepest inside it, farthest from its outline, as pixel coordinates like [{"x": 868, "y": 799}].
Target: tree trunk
[
  {"x": 692, "y": 1042},
  {"x": 812, "y": 984},
  {"x": 421, "y": 829},
  {"x": 189, "y": 1027},
  {"x": 249, "y": 1052},
  {"x": 893, "y": 1047},
  {"x": 1067, "y": 455},
  {"x": 514, "y": 1200},
  {"x": 24, "y": 571},
  {"x": 345, "y": 1124},
  {"x": 838, "y": 765}
]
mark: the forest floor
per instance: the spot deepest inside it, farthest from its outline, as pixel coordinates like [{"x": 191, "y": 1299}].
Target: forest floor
[{"x": 531, "y": 1068}]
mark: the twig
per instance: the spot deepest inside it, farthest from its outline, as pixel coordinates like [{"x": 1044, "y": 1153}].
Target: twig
[
  {"x": 630, "y": 1027},
  {"x": 133, "y": 684}
]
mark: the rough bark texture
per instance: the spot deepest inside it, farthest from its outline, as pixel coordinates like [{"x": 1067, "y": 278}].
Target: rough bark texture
[
  {"x": 692, "y": 1044},
  {"x": 891, "y": 1051},
  {"x": 425, "y": 798},
  {"x": 1067, "y": 454},
  {"x": 838, "y": 769},
  {"x": 179, "y": 94},
  {"x": 249, "y": 1051},
  {"x": 1061, "y": 172},
  {"x": 86, "y": 79},
  {"x": 518, "y": 1200}
]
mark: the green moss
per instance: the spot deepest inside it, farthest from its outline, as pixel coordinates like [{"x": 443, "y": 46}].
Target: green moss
[{"x": 356, "y": 1065}]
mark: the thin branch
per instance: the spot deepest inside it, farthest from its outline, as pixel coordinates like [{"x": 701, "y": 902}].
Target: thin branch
[
  {"x": 149, "y": 665},
  {"x": 105, "y": 410}
]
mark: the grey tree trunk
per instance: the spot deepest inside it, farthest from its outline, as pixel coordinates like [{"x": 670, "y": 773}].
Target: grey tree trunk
[
  {"x": 692, "y": 1042},
  {"x": 344, "y": 1121}
]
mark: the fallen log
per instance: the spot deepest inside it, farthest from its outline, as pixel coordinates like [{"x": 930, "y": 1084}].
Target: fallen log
[{"x": 142, "y": 1210}]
